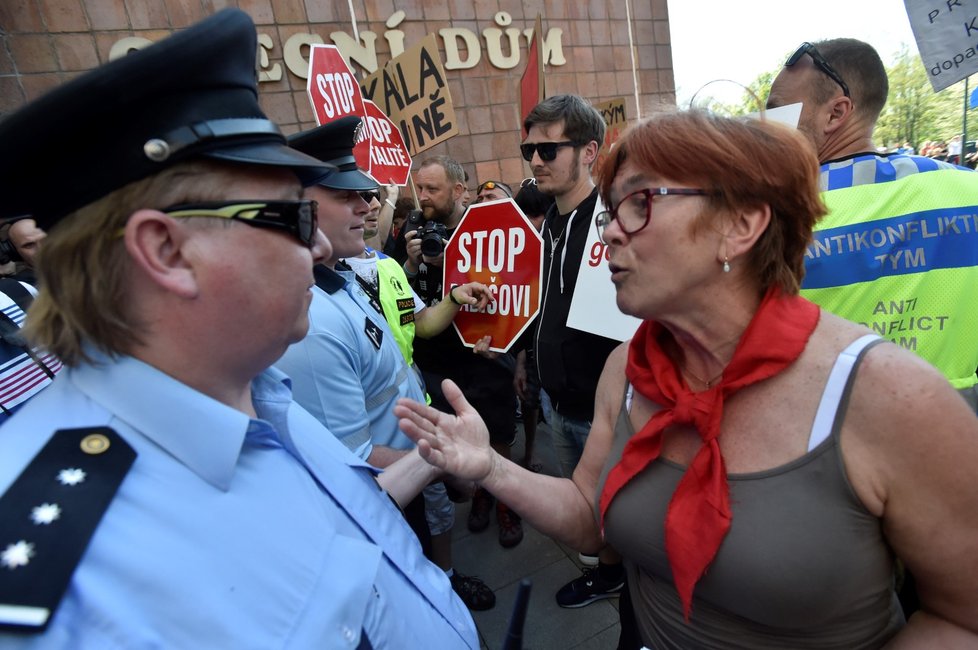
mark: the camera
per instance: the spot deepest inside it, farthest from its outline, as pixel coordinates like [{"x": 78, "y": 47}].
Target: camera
[
  {"x": 433, "y": 236},
  {"x": 431, "y": 233}
]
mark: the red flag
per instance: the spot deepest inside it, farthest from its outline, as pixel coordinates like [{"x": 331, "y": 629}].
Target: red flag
[{"x": 532, "y": 90}]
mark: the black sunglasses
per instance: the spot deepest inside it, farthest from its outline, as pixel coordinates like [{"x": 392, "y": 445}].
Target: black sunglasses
[
  {"x": 298, "y": 218},
  {"x": 369, "y": 195},
  {"x": 546, "y": 150},
  {"x": 820, "y": 63}
]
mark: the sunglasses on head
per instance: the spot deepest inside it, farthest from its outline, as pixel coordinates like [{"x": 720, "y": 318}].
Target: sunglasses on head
[
  {"x": 820, "y": 63},
  {"x": 491, "y": 185},
  {"x": 546, "y": 150},
  {"x": 370, "y": 195},
  {"x": 298, "y": 217}
]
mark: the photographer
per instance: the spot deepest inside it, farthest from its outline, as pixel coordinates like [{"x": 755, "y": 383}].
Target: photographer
[{"x": 487, "y": 383}]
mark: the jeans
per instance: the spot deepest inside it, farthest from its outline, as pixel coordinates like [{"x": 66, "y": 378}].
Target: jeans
[{"x": 570, "y": 434}]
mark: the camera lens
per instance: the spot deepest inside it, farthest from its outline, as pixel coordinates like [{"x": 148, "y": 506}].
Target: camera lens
[{"x": 432, "y": 244}]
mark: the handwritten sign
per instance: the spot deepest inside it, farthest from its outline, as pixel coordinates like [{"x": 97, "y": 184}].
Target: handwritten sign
[
  {"x": 412, "y": 89},
  {"x": 947, "y": 35}
]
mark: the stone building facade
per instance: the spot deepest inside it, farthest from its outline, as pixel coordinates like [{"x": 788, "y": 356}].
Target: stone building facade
[{"x": 600, "y": 49}]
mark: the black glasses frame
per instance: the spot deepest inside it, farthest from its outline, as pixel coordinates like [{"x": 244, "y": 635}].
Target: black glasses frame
[
  {"x": 820, "y": 63},
  {"x": 604, "y": 218},
  {"x": 299, "y": 217},
  {"x": 546, "y": 150},
  {"x": 369, "y": 195}
]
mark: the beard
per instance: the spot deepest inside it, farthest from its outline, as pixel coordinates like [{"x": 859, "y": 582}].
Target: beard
[{"x": 440, "y": 213}]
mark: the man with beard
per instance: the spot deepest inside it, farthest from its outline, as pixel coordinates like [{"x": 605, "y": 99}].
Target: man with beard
[
  {"x": 564, "y": 133},
  {"x": 486, "y": 382}
]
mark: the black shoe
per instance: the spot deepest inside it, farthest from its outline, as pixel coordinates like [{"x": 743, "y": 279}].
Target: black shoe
[
  {"x": 479, "y": 514},
  {"x": 473, "y": 592},
  {"x": 587, "y": 589}
]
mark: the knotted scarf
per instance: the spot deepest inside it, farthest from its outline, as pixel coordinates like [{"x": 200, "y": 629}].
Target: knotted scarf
[{"x": 699, "y": 516}]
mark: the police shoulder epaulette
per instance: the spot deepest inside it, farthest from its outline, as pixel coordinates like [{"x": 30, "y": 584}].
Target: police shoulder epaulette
[{"x": 49, "y": 515}]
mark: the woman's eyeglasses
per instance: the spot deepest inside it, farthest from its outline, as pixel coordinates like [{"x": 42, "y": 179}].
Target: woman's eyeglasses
[
  {"x": 298, "y": 218},
  {"x": 546, "y": 150},
  {"x": 634, "y": 211}
]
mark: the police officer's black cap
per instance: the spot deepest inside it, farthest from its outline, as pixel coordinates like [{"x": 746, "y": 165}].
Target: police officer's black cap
[
  {"x": 193, "y": 94},
  {"x": 333, "y": 143}
]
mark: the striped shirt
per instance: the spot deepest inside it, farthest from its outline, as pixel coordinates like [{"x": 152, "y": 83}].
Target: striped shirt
[{"x": 21, "y": 377}]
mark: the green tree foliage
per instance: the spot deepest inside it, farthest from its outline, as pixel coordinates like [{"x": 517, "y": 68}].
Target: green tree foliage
[{"x": 914, "y": 112}]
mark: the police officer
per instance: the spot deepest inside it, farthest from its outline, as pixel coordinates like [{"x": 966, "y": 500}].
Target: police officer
[{"x": 165, "y": 490}]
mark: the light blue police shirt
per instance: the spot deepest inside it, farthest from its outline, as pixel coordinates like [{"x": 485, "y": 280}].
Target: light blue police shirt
[
  {"x": 230, "y": 532},
  {"x": 348, "y": 371}
]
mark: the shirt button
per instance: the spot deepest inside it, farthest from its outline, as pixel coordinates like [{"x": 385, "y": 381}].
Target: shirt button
[{"x": 349, "y": 634}]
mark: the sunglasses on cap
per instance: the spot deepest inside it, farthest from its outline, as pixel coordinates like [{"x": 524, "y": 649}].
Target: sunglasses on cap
[
  {"x": 820, "y": 63},
  {"x": 491, "y": 185},
  {"x": 298, "y": 218},
  {"x": 370, "y": 195},
  {"x": 546, "y": 150}
]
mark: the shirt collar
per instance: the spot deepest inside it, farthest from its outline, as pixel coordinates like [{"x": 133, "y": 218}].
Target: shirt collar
[
  {"x": 327, "y": 279},
  {"x": 197, "y": 430}
]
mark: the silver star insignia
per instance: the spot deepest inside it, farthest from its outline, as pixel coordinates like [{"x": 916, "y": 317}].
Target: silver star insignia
[
  {"x": 16, "y": 555},
  {"x": 45, "y": 513},
  {"x": 72, "y": 476}
]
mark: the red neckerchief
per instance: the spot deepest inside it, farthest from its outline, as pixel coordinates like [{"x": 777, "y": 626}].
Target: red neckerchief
[{"x": 699, "y": 514}]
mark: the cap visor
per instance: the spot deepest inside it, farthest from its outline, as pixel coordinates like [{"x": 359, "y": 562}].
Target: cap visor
[
  {"x": 272, "y": 154},
  {"x": 352, "y": 179}
]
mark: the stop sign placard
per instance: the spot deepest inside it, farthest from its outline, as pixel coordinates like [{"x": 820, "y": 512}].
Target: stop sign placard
[
  {"x": 333, "y": 90},
  {"x": 497, "y": 245},
  {"x": 390, "y": 161}
]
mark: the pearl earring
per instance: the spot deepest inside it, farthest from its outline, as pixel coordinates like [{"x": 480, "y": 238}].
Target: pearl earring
[{"x": 726, "y": 265}]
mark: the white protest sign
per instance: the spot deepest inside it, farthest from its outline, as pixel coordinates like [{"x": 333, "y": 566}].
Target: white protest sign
[
  {"x": 787, "y": 115},
  {"x": 947, "y": 35},
  {"x": 593, "y": 307}
]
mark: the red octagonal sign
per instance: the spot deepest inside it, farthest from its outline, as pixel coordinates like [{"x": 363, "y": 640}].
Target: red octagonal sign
[
  {"x": 332, "y": 88},
  {"x": 497, "y": 245}
]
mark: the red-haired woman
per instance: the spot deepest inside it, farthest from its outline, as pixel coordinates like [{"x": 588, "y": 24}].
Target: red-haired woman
[{"x": 757, "y": 462}]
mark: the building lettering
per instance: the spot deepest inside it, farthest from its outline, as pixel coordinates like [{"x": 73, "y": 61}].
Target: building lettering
[{"x": 363, "y": 51}]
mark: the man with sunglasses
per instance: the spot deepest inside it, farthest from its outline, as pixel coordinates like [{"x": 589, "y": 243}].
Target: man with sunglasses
[
  {"x": 915, "y": 288},
  {"x": 493, "y": 191},
  {"x": 349, "y": 371},
  {"x": 564, "y": 133},
  {"x": 165, "y": 490}
]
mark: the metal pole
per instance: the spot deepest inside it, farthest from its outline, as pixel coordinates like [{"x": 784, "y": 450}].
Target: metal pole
[{"x": 964, "y": 126}]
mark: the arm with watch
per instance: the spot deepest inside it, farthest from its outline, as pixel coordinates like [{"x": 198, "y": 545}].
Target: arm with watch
[{"x": 433, "y": 320}]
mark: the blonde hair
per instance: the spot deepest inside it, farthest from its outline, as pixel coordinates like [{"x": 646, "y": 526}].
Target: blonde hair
[{"x": 84, "y": 267}]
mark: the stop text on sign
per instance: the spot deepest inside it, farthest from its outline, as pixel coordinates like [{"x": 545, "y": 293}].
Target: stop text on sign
[
  {"x": 338, "y": 91},
  {"x": 495, "y": 250}
]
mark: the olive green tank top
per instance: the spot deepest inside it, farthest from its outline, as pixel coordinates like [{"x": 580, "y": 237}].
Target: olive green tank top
[{"x": 804, "y": 564}]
